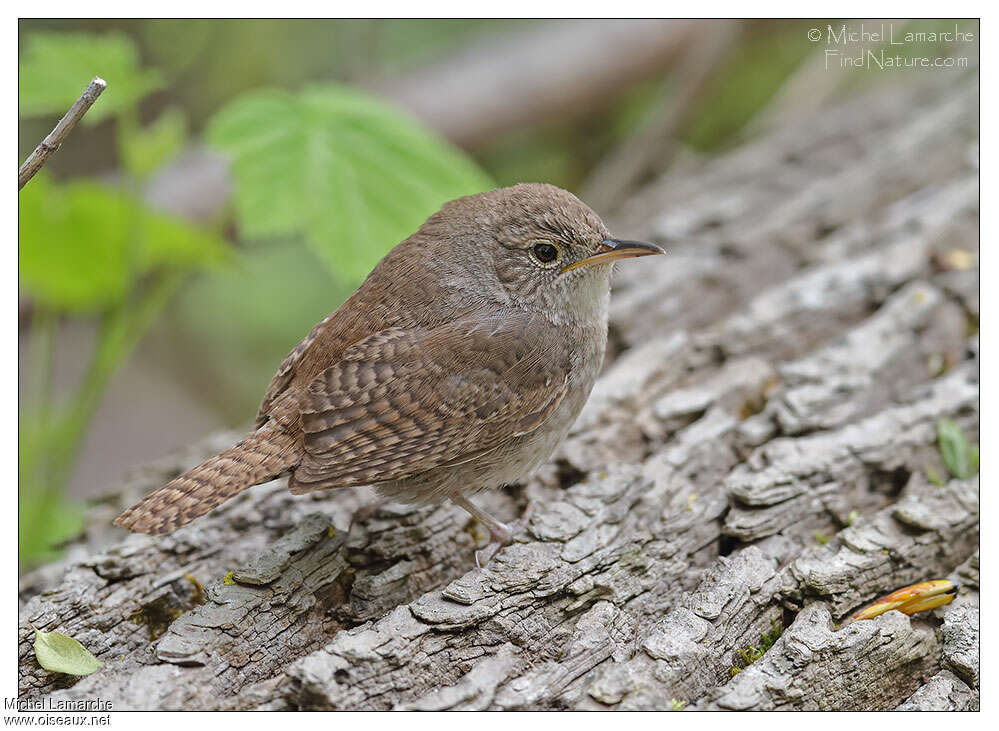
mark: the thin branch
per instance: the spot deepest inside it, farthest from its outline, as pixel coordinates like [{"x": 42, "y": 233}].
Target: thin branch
[{"x": 56, "y": 137}]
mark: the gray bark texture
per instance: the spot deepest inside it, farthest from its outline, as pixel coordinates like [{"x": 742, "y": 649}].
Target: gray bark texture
[{"x": 755, "y": 458}]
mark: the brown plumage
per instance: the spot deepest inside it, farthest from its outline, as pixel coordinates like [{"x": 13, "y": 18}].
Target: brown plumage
[
  {"x": 459, "y": 364},
  {"x": 260, "y": 457}
]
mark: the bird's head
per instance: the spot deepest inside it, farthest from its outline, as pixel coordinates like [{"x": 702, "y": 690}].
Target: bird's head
[{"x": 533, "y": 246}]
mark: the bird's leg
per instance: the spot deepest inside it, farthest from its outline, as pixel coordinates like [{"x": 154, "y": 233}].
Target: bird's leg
[
  {"x": 498, "y": 531},
  {"x": 501, "y": 533}
]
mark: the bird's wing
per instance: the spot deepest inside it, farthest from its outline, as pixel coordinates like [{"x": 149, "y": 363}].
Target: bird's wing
[{"x": 402, "y": 402}]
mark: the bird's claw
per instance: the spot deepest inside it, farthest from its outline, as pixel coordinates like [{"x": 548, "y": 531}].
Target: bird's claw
[
  {"x": 502, "y": 535},
  {"x": 485, "y": 555}
]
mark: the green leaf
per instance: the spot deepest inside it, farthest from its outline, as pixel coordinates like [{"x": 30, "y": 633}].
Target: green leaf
[
  {"x": 168, "y": 242},
  {"x": 71, "y": 254},
  {"x": 81, "y": 245},
  {"x": 147, "y": 149},
  {"x": 958, "y": 456},
  {"x": 59, "y": 653},
  {"x": 55, "y": 68},
  {"x": 351, "y": 174}
]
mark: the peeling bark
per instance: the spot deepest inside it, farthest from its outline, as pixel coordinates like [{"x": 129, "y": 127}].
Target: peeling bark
[{"x": 755, "y": 456}]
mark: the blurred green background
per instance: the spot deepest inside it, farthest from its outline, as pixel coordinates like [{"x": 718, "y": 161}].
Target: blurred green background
[{"x": 238, "y": 179}]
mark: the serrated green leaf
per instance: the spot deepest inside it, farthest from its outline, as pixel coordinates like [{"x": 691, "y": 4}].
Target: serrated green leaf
[
  {"x": 954, "y": 449},
  {"x": 147, "y": 149},
  {"x": 350, "y": 174},
  {"x": 56, "y": 67},
  {"x": 80, "y": 245},
  {"x": 59, "y": 653}
]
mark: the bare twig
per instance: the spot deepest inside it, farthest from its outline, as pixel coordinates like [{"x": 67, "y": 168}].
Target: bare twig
[{"x": 55, "y": 138}]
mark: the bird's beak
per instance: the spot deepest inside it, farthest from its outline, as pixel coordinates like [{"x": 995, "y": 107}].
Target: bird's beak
[{"x": 614, "y": 249}]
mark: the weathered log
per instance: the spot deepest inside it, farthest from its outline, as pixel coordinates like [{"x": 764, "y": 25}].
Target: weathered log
[
  {"x": 943, "y": 692},
  {"x": 756, "y": 456}
]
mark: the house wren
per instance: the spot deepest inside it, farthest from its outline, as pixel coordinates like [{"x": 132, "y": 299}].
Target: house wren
[{"x": 458, "y": 365}]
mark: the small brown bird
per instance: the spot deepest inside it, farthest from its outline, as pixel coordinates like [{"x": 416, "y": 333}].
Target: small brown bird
[{"x": 458, "y": 365}]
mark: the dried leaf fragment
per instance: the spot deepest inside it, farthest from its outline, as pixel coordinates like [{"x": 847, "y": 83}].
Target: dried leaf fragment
[{"x": 911, "y": 599}]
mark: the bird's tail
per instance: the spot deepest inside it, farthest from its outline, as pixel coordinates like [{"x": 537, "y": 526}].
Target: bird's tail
[{"x": 262, "y": 456}]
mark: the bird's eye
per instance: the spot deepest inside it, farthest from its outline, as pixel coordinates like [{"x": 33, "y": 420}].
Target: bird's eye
[{"x": 545, "y": 252}]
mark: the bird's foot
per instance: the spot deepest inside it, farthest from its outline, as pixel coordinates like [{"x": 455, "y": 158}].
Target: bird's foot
[
  {"x": 501, "y": 534},
  {"x": 484, "y": 555}
]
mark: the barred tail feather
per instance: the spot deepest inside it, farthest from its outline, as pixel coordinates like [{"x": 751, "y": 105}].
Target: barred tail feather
[{"x": 262, "y": 456}]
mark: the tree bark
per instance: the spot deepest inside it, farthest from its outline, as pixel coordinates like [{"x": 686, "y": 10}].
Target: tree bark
[{"x": 755, "y": 456}]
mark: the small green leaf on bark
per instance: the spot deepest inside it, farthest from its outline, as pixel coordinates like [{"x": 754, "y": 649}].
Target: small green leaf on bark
[{"x": 59, "y": 653}]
